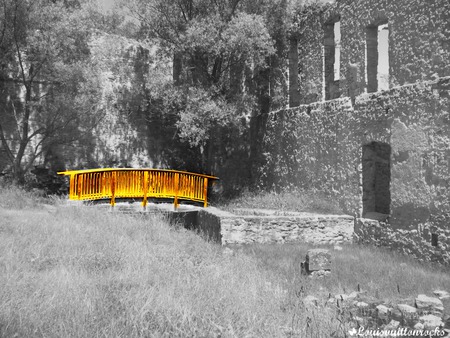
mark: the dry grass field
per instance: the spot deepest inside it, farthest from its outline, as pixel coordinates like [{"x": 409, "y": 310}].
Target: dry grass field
[{"x": 72, "y": 271}]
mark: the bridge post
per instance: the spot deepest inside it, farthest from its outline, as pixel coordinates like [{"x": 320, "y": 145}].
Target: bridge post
[
  {"x": 145, "y": 188},
  {"x": 80, "y": 185},
  {"x": 175, "y": 200},
  {"x": 103, "y": 184},
  {"x": 113, "y": 188},
  {"x": 72, "y": 191},
  {"x": 205, "y": 192}
]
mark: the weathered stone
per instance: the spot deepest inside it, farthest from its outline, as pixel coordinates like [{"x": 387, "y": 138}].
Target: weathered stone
[
  {"x": 361, "y": 305},
  {"x": 419, "y": 326},
  {"x": 320, "y": 274},
  {"x": 383, "y": 311},
  {"x": 353, "y": 295},
  {"x": 392, "y": 325},
  {"x": 430, "y": 322},
  {"x": 318, "y": 259},
  {"x": 441, "y": 294},
  {"x": 407, "y": 310},
  {"x": 360, "y": 320},
  {"x": 426, "y": 303}
]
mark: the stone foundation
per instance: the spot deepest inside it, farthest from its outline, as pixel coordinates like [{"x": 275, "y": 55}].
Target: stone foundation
[{"x": 271, "y": 227}]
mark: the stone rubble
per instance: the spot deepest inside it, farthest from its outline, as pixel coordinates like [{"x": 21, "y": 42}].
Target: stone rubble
[{"x": 422, "y": 313}]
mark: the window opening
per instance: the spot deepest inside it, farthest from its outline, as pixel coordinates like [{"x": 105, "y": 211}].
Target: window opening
[
  {"x": 332, "y": 57},
  {"x": 376, "y": 176},
  {"x": 377, "y": 57}
]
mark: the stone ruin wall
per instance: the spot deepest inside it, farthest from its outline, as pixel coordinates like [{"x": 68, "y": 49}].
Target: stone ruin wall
[
  {"x": 321, "y": 146},
  {"x": 384, "y": 155},
  {"x": 419, "y": 44}
]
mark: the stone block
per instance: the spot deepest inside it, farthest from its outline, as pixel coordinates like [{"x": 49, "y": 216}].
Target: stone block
[
  {"x": 441, "y": 294},
  {"x": 393, "y": 325},
  {"x": 430, "y": 322},
  {"x": 431, "y": 304},
  {"x": 407, "y": 310},
  {"x": 383, "y": 311},
  {"x": 318, "y": 259}
]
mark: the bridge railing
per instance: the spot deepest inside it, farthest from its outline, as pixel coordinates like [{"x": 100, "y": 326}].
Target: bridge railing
[{"x": 96, "y": 184}]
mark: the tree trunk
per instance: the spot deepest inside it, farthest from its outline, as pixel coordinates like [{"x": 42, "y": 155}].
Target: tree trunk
[{"x": 294, "y": 93}]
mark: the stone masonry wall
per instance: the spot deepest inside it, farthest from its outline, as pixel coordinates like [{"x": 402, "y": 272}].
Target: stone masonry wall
[
  {"x": 414, "y": 242},
  {"x": 239, "y": 229},
  {"x": 419, "y": 44},
  {"x": 320, "y": 146}
]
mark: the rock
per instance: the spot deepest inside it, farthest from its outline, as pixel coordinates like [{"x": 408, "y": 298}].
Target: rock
[
  {"x": 393, "y": 325},
  {"x": 310, "y": 301},
  {"x": 426, "y": 303},
  {"x": 430, "y": 322},
  {"x": 383, "y": 311},
  {"x": 337, "y": 248},
  {"x": 441, "y": 294},
  {"x": 419, "y": 326},
  {"x": 353, "y": 295},
  {"x": 407, "y": 309},
  {"x": 362, "y": 305},
  {"x": 319, "y": 274},
  {"x": 318, "y": 259},
  {"x": 360, "y": 320}
]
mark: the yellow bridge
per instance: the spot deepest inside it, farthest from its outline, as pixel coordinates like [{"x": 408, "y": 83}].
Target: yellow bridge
[{"x": 96, "y": 184}]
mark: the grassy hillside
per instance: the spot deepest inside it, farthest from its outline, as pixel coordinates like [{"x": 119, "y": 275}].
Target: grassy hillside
[
  {"x": 80, "y": 272},
  {"x": 68, "y": 271}
]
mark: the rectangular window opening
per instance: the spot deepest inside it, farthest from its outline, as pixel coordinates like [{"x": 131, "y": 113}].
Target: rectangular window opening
[
  {"x": 332, "y": 59},
  {"x": 383, "y": 57},
  {"x": 377, "y": 57}
]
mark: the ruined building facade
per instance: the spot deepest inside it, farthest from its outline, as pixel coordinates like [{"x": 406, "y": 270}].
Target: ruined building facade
[{"x": 370, "y": 121}]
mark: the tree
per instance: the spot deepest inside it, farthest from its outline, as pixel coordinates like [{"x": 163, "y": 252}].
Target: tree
[
  {"x": 218, "y": 51},
  {"x": 43, "y": 77}
]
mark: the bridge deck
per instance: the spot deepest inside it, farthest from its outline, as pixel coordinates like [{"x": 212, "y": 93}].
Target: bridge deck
[{"x": 110, "y": 183}]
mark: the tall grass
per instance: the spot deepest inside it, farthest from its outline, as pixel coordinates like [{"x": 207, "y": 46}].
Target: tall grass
[
  {"x": 81, "y": 272},
  {"x": 12, "y": 197},
  {"x": 84, "y": 272},
  {"x": 300, "y": 201},
  {"x": 382, "y": 273}
]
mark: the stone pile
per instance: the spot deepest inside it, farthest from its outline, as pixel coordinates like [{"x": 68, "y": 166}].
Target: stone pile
[{"x": 422, "y": 313}]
